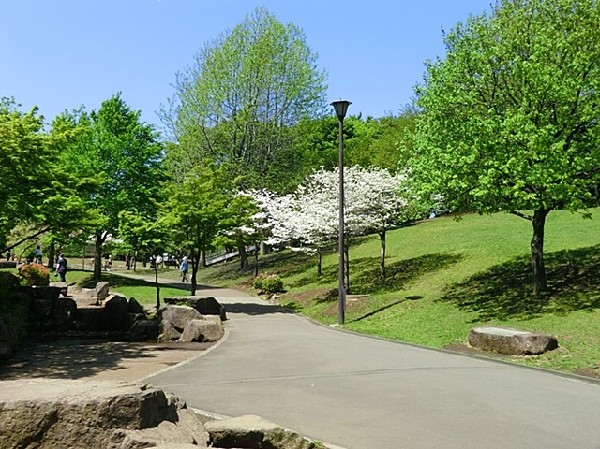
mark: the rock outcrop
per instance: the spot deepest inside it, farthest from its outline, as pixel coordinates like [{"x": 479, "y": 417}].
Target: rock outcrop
[
  {"x": 50, "y": 414},
  {"x": 186, "y": 324}
]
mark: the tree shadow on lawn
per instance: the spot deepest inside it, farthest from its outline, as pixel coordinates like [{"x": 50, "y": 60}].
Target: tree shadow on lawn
[
  {"x": 365, "y": 278},
  {"x": 504, "y": 291}
]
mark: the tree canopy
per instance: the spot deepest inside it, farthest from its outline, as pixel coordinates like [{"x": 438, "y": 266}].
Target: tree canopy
[
  {"x": 509, "y": 117},
  {"x": 236, "y": 104}
]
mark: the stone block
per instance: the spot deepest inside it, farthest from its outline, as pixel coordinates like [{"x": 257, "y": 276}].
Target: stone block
[
  {"x": 511, "y": 341},
  {"x": 167, "y": 331},
  {"x": 133, "y": 306},
  {"x": 204, "y": 305},
  {"x": 250, "y": 431},
  {"x": 64, "y": 413},
  {"x": 202, "y": 330},
  {"x": 114, "y": 316},
  {"x": 178, "y": 316},
  {"x": 102, "y": 291},
  {"x": 144, "y": 330}
]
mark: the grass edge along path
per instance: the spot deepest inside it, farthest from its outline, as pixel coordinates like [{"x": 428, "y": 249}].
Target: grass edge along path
[{"x": 447, "y": 276}]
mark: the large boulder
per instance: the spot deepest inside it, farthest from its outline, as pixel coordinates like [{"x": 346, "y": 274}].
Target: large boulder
[
  {"x": 511, "y": 341},
  {"x": 251, "y": 431},
  {"x": 186, "y": 431},
  {"x": 205, "y": 329},
  {"x": 114, "y": 316},
  {"x": 102, "y": 291},
  {"x": 167, "y": 332},
  {"x": 205, "y": 305},
  {"x": 178, "y": 316},
  {"x": 52, "y": 413},
  {"x": 143, "y": 330}
]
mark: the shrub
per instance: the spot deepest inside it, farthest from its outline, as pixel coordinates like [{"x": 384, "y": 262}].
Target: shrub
[
  {"x": 35, "y": 274},
  {"x": 269, "y": 284}
]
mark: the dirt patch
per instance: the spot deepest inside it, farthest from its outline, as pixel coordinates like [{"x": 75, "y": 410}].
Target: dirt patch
[{"x": 319, "y": 294}]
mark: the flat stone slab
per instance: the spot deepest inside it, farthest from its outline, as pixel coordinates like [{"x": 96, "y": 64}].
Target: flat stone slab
[{"x": 507, "y": 341}]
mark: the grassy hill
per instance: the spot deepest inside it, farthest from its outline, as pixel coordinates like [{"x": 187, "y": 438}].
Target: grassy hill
[{"x": 445, "y": 276}]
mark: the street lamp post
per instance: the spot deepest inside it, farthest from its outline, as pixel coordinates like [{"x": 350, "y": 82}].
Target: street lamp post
[{"x": 341, "y": 107}]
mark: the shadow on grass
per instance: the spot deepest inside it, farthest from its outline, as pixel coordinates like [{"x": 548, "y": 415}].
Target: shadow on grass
[
  {"x": 375, "y": 312},
  {"x": 504, "y": 291},
  {"x": 365, "y": 278}
]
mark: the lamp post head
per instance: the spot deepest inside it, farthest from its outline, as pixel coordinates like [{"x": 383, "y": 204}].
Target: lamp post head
[{"x": 341, "y": 107}]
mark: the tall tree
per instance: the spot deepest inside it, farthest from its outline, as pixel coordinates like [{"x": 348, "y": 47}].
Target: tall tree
[
  {"x": 510, "y": 116},
  {"x": 237, "y": 102},
  {"x": 37, "y": 190},
  {"x": 196, "y": 212},
  {"x": 127, "y": 156}
]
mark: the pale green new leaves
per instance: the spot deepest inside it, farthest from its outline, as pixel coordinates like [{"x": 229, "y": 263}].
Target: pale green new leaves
[{"x": 510, "y": 116}]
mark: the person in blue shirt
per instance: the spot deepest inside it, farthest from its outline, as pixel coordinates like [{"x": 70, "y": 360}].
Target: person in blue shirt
[{"x": 184, "y": 269}]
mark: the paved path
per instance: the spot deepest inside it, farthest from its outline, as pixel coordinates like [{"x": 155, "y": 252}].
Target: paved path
[{"x": 364, "y": 393}]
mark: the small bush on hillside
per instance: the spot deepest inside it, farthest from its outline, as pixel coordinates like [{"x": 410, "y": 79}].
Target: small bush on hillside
[
  {"x": 269, "y": 284},
  {"x": 35, "y": 274}
]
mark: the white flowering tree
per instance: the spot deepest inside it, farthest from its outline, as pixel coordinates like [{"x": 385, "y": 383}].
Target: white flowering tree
[{"x": 375, "y": 201}]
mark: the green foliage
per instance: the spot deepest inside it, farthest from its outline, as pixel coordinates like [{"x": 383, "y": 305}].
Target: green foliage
[
  {"x": 240, "y": 98},
  {"x": 268, "y": 284},
  {"x": 510, "y": 117},
  {"x": 35, "y": 274},
  {"x": 119, "y": 160}
]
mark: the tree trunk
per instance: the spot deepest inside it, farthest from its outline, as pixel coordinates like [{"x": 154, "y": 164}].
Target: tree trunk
[
  {"x": 195, "y": 265},
  {"x": 256, "y": 259},
  {"x": 51, "y": 254},
  {"x": 243, "y": 257},
  {"x": 382, "y": 260},
  {"x": 203, "y": 259},
  {"x": 537, "y": 251},
  {"x": 347, "y": 262},
  {"x": 319, "y": 262},
  {"x": 98, "y": 257}
]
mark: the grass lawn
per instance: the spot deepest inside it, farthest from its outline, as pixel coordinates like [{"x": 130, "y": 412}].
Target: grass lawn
[
  {"x": 443, "y": 277},
  {"x": 446, "y": 276}
]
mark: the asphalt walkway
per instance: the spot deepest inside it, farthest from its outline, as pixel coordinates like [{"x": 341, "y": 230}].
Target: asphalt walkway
[{"x": 364, "y": 393}]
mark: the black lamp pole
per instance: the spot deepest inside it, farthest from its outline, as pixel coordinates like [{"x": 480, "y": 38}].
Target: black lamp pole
[{"x": 341, "y": 107}]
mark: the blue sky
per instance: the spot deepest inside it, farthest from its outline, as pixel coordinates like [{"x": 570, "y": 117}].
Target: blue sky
[{"x": 61, "y": 54}]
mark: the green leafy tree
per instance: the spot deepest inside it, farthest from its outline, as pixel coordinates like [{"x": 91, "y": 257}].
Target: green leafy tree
[
  {"x": 510, "y": 115},
  {"x": 141, "y": 235},
  {"x": 236, "y": 104},
  {"x": 194, "y": 213},
  {"x": 37, "y": 192},
  {"x": 126, "y": 155}
]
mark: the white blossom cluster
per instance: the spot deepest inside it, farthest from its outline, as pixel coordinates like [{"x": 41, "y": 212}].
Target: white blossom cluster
[{"x": 375, "y": 201}]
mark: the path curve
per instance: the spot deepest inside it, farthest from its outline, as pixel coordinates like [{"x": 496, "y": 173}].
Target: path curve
[{"x": 365, "y": 393}]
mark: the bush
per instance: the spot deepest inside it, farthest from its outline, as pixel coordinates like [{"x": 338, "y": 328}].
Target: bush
[
  {"x": 269, "y": 284},
  {"x": 35, "y": 274}
]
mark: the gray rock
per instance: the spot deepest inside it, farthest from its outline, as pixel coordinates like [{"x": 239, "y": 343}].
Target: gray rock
[
  {"x": 102, "y": 290},
  {"x": 114, "y": 316},
  {"x": 178, "y": 316},
  {"x": 133, "y": 306},
  {"x": 205, "y": 305},
  {"x": 51, "y": 413},
  {"x": 202, "y": 330},
  {"x": 187, "y": 419},
  {"x": 250, "y": 431},
  {"x": 167, "y": 331},
  {"x": 144, "y": 330},
  {"x": 511, "y": 341},
  {"x": 165, "y": 432}
]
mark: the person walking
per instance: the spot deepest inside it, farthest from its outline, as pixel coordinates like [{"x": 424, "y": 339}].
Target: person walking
[
  {"x": 61, "y": 267},
  {"x": 38, "y": 255},
  {"x": 184, "y": 269}
]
